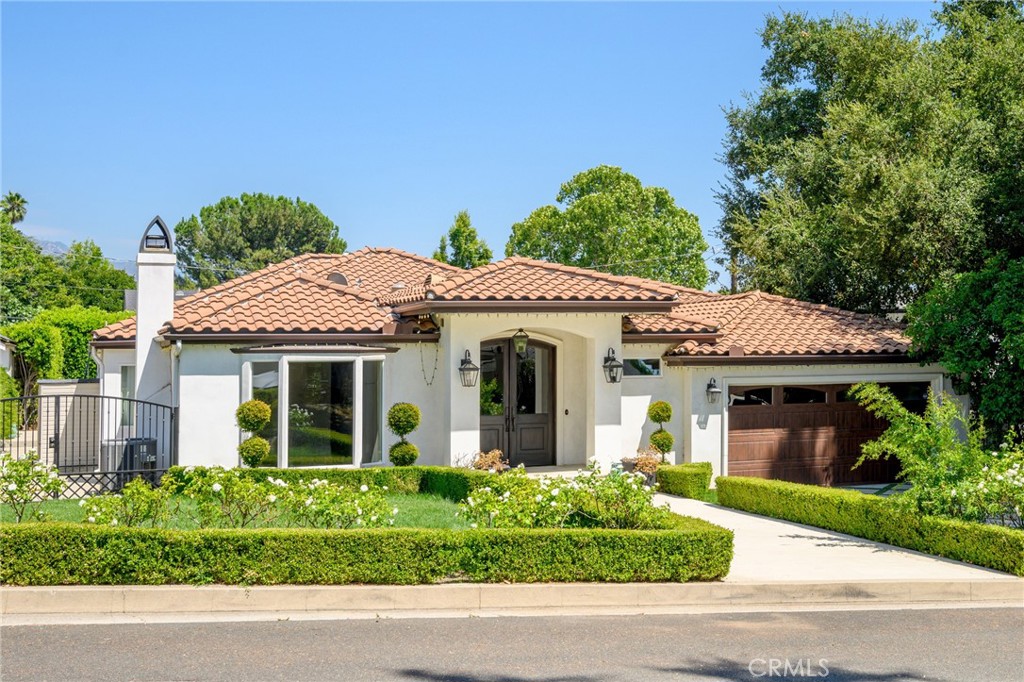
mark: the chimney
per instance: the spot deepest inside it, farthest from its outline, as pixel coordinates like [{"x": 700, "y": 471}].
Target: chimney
[{"x": 156, "y": 264}]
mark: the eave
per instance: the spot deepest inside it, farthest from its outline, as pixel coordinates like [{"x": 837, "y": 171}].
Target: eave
[
  {"x": 806, "y": 359},
  {"x": 434, "y": 306}
]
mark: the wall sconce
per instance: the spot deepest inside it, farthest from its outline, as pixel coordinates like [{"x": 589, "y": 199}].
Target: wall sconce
[
  {"x": 612, "y": 368},
  {"x": 519, "y": 340},
  {"x": 713, "y": 392},
  {"x": 468, "y": 372}
]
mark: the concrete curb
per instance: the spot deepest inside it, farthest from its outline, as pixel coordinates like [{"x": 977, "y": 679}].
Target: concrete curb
[{"x": 493, "y": 598}]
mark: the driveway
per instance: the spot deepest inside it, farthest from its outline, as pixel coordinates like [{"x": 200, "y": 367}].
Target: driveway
[{"x": 770, "y": 550}]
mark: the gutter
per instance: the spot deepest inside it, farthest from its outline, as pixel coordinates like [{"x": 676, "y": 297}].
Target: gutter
[{"x": 816, "y": 359}]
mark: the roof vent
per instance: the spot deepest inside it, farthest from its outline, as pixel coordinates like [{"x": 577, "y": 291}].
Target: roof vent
[
  {"x": 397, "y": 286},
  {"x": 433, "y": 278},
  {"x": 338, "y": 278}
]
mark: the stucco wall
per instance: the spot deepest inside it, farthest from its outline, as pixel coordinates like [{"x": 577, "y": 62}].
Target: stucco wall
[
  {"x": 708, "y": 428},
  {"x": 410, "y": 376},
  {"x": 209, "y": 392},
  {"x": 638, "y": 392}
]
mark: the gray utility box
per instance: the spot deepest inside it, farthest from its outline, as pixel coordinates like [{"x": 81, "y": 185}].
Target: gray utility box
[{"x": 130, "y": 454}]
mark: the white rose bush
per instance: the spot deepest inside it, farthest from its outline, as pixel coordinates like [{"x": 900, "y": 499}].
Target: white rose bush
[{"x": 25, "y": 482}]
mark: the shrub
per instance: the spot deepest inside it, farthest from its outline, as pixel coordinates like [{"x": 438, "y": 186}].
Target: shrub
[
  {"x": 659, "y": 412},
  {"x": 225, "y": 497},
  {"x": 252, "y": 415},
  {"x": 252, "y": 451},
  {"x": 685, "y": 480},
  {"x": 662, "y": 441},
  {"x": 493, "y": 461},
  {"x": 79, "y": 554},
  {"x": 138, "y": 504},
  {"x": 403, "y": 419},
  {"x": 876, "y": 518},
  {"x": 646, "y": 463},
  {"x": 403, "y": 454},
  {"x": 25, "y": 482},
  {"x": 322, "y": 504}
]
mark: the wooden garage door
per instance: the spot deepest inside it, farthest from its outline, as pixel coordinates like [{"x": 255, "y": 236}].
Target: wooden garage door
[{"x": 804, "y": 434}]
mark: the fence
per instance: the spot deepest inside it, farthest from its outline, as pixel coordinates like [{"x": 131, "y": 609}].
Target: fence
[{"x": 97, "y": 443}]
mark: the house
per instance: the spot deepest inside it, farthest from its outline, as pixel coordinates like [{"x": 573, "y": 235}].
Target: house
[
  {"x": 554, "y": 365},
  {"x": 6, "y": 348}
]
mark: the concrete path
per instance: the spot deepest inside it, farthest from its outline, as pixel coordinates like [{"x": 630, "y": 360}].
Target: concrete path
[{"x": 769, "y": 550}]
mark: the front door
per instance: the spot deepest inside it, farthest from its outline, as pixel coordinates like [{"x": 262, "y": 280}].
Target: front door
[{"x": 517, "y": 402}]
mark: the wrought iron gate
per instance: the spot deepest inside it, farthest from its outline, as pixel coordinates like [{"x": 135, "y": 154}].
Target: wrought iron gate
[{"x": 97, "y": 443}]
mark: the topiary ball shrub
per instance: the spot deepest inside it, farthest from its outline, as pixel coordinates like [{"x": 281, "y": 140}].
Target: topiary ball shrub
[
  {"x": 662, "y": 440},
  {"x": 403, "y": 454},
  {"x": 252, "y": 415},
  {"x": 253, "y": 450},
  {"x": 403, "y": 418},
  {"x": 659, "y": 412}
]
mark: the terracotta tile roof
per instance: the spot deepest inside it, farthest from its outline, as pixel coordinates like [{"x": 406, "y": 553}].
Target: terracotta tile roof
[
  {"x": 759, "y": 324},
  {"x": 525, "y": 279}
]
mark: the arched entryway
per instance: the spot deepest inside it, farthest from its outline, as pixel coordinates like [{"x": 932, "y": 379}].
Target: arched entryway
[{"x": 517, "y": 401}]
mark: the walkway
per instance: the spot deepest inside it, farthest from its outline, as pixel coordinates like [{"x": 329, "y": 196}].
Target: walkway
[{"x": 769, "y": 550}]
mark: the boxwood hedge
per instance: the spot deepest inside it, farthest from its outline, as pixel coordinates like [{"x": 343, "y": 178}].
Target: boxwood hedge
[
  {"x": 685, "y": 480},
  {"x": 79, "y": 554},
  {"x": 871, "y": 517}
]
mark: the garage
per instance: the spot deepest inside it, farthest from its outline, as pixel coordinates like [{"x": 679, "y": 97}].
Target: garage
[{"x": 809, "y": 433}]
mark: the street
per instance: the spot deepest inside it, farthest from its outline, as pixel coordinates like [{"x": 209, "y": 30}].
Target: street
[{"x": 934, "y": 644}]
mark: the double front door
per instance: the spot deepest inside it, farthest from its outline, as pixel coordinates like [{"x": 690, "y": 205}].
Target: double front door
[{"x": 517, "y": 396}]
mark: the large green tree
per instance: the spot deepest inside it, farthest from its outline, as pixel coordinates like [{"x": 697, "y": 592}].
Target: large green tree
[
  {"x": 14, "y": 206},
  {"x": 609, "y": 221},
  {"x": 877, "y": 160},
  {"x": 93, "y": 280},
  {"x": 239, "y": 235},
  {"x": 462, "y": 246}
]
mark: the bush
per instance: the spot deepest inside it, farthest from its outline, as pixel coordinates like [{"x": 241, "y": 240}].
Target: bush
[
  {"x": 79, "y": 554},
  {"x": 659, "y": 412},
  {"x": 403, "y": 454},
  {"x": 685, "y": 480},
  {"x": 252, "y": 415},
  {"x": 403, "y": 418},
  {"x": 662, "y": 441},
  {"x": 138, "y": 504},
  {"x": 25, "y": 482},
  {"x": 252, "y": 451},
  {"x": 876, "y": 518}
]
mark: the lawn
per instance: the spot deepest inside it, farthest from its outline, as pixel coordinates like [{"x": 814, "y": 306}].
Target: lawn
[{"x": 414, "y": 511}]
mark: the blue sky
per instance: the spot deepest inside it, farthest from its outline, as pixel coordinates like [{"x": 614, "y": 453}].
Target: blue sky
[{"x": 389, "y": 117}]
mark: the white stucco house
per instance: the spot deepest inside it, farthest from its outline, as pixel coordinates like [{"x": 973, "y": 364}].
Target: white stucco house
[{"x": 568, "y": 360}]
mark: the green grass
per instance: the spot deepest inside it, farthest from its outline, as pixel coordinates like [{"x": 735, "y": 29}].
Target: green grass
[{"x": 414, "y": 511}]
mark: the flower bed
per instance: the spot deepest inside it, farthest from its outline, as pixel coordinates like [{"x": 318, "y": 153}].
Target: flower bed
[{"x": 875, "y": 518}]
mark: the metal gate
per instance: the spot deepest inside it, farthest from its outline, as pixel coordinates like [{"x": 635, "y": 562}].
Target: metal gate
[{"x": 97, "y": 443}]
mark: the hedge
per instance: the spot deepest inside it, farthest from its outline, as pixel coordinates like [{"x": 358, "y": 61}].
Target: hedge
[
  {"x": 79, "y": 554},
  {"x": 685, "y": 480},
  {"x": 872, "y": 517},
  {"x": 448, "y": 482}
]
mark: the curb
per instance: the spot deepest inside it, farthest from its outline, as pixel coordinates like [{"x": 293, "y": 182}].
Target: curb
[{"x": 494, "y": 598}]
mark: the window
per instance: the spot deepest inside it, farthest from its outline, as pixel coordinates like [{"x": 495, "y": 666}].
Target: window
[
  {"x": 324, "y": 411},
  {"x": 127, "y": 395},
  {"x": 750, "y": 396},
  {"x": 913, "y": 395},
  {"x": 801, "y": 395},
  {"x": 647, "y": 367}
]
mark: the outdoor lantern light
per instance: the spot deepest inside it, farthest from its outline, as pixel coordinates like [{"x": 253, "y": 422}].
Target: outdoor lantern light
[
  {"x": 519, "y": 340},
  {"x": 468, "y": 372},
  {"x": 612, "y": 368},
  {"x": 713, "y": 392}
]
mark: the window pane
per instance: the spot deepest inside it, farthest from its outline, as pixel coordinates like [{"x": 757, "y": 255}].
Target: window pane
[
  {"x": 913, "y": 395},
  {"x": 533, "y": 381},
  {"x": 371, "y": 411},
  {"x": 128, "y": 393},
  {"x": 492, "y": 380},
  {"x": 648, "y": 367},
  {"x": 265, "y": 381},
  {"x": 319, "y": 413},
  {"x": 798, "y": 395},
  {"x": 750, "y": 396}
]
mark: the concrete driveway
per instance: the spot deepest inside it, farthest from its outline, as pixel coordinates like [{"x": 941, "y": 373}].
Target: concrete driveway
[{"x": 770, "y": 550}]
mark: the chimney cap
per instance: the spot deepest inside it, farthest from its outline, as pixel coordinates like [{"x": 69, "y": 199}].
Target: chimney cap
[{"x": 159, "y": 241}]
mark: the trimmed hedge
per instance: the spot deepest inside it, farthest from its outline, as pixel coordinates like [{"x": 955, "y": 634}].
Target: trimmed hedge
[
  {"x": 79, "y": 554},
  {"x": 685, "y": 480},
  {"x": 871, "y": 517}
]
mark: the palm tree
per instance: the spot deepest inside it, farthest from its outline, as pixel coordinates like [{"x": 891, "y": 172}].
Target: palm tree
[{"x": 13, "y": 204}]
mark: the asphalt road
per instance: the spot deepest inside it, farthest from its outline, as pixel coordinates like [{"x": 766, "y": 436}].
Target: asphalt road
[{"x": 954, "y": 644}]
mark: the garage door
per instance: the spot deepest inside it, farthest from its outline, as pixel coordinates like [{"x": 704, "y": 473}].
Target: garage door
[{"x": 807, "y": 434}]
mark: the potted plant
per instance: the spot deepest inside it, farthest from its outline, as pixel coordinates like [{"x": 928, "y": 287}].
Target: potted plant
[
  {"x": 646, "y": 463},
  {"x": 660, "y": 412}
]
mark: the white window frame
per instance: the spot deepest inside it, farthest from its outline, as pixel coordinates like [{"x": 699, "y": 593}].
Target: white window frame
[
  {"x": 284, "y": 400},
  {"x": 634, "y": 377}
]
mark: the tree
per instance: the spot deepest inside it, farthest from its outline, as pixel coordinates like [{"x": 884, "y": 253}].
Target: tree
[
  {"x": 94, "y": 280},
  {"x": 973, "y": 325},
  {"x": 609, "y": 221},
  {"x": 877, "y": 161},
  {"x": 462, "y": 247},
  {"x": 239, "y": 235},
  {"x": 29, "y": 279},
  {"x": 14, "y": 206}
]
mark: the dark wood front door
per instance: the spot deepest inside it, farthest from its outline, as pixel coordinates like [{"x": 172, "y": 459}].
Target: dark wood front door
[{"x": 517, "y": 402}]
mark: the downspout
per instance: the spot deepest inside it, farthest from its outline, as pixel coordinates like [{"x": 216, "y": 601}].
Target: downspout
[{"x": 175, "y": 352}]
